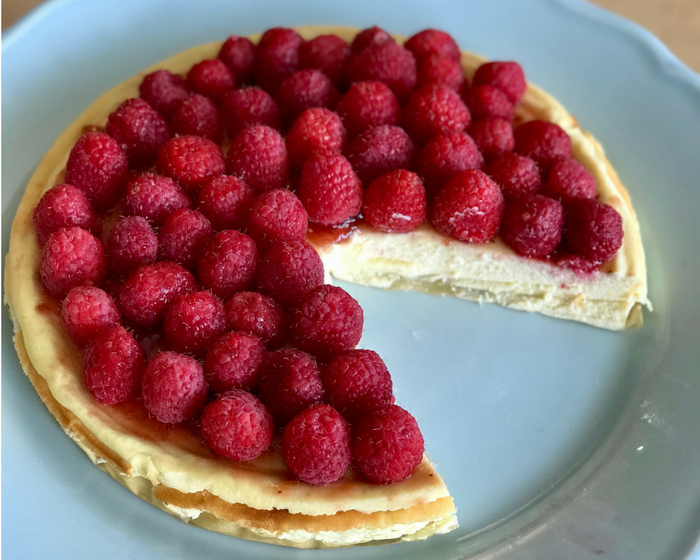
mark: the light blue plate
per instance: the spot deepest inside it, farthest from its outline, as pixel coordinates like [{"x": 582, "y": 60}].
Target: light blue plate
[{"x": 556, "y": 440}]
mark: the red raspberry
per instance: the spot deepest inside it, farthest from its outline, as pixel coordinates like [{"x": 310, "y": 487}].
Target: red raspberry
[
  {"x": 378, "y": 150},
  {"x": 544, "y": 142},
  {"x": 327, "y": 321},
  {"x": 387, "y": 445},
  {"x": 148, "y": 291},
  {"x": 86, "y": 312},
  {"x": 173, "y": 387},
  {"x": 388, "y": 63},
  {"x": 443, "y": 157},
  {"x": 329, "y": 54},
  {"x": 228, "y": 263},
  {"x": 163, "y": 91},
  {"x": 592, "y": 229},
  {"x": 238, "y": 54},
  {"x": 132, "y": 243},
  {"x": 290, "y": 381},
  {"x": 288, "y": 271},
  {"x": 516, "y": 175},
  {"x": 368, "y": 104},
  {"x": 329, "y": 189},
  {"x": 316, "y": 130},
  {"x": 98, "y": 167},
  {"x": 193, "y": 321},
  {"x": 63, "y": 206},
  {"x": 140, "y": 131},
  {"x": 226, "y": 201},
  {"x": 233, "y": 362},
  {"x": 493, "y": 137},
  {"x": 192, "y": 161},
  {"x": 506, "y": 76},
  {"x": 441, "y": 70},
  {"x": 198, "y": 116},
  {"x": 433, "y": 41},
  {"x": 316, "y": 445},
  {"x": 237, "y": 425},
  {"x": 304, "y": 90},
  {"x": 211, "y": 78},
  {"x": 532, "y": 225},
  {"x": 372, "y": 37},
  {"x": 469, "y": 207},
  {"x": 357, "y": 383},
  {"x": 258, "y": 155},
  {"x": 154, "y": 197},
  {"x": 259, "y": 315},
  {"x": 248, "y": 107},
  {"x": 184, "y": 236},
  {"x": 276, "y": 216},
  {"x": 277, "y": 57},
  {"x": 112, "y": 366},
  {"x": 486, "y": 102},
  {"x": 569, "y": 179},
  {"x": 433, "y": 110},
  {"x": 395, "y": 202},
  {"x": 71, "y": 257}
]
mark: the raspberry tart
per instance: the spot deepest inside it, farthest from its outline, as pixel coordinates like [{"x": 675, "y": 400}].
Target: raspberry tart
[{"x": 167, "y": 265}]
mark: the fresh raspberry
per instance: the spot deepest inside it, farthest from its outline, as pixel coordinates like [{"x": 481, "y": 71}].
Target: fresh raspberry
[
  {"x": 532, "y": 225},
  {"x": 277, "y": 57},
  {"x": 433, "y": 110},
  {"x": 71, "y": 257},
  {"x": 112, "y": 366},
  {"x": 290, "y": 381},
  {"x": 233, "y": 362},
  {"x": 357, "y": 383},
  {"x": 304, "y": 90},
  {"x": 276, "y": 216},
  {"x": 378, "y": 150},
  {"x": 316, "y": 130},
  {"x": 258, "y": 155},
  {"x": 211, "y": 78},
  {"x": 441, "y": 70},
  {"x": 327, "y": 321},
  {"x": 506, "y": 76},
  {"x": 388, "y": 63},
  {"x": 228, "y": 263},
  {"x": 329, "y": 54},
  {"x": 86, "y": 312},
  {"x": 569, "y": 179},
  {"x": 237, "y": 425},
  {"x": 433, "y": 41},
  {"x": 140, "y": 131},
  {"x": 184, "y": 236},
  {"x": 329, "y": 189},
  {"x": 198, "y": 116},
  {"x": 469, "y": 207},
  {"x": 486, "y": 102},
  {"x": 288, "y": 271},
  {"x": 132, "y": 243},
  {"x": 395, "y": 202},
  {"x": 163, "y": 91},
  {"x": 443, "y": 157},
  {"x": 371, "y": 37},
  {"x": 516, "y": 175},
  {"x": 193, "y": 321},
  {"x": 99, "y": 168},
  {"x": 173, "y": 387},
  {"x": 248, "y": 107},
  {"x": 544, "y": 142},
  {"x": 154, "y": 197},
  {"x": 148, "y": 291},
  {"x": 368, "y": 104},
  {"x": 226, "y": 201},
  {"x": 63, "y": 206},
  {"x": 259, "y": 315},
  {"x": 238, "y": 54},
  {"x": 192, "y": 161},
  {"x": 316, "y": 445},
  {"x": 592, "y": 229},
  {"x": 493, "y": 137},
  {"x": 387, "y": 445}
]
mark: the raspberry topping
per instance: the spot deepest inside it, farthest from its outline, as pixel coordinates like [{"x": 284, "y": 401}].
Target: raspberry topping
[
  {"x": 493, "y": 137},
  {"x": 304, "y": 90},
  {"x": 86, "y": 312},
  {"x": 516, "y": 175},
  {"x": 277, "y": 57},
  {"x": 506, "y": 76},
  {"x": 228, "y": 263},
  {"x": 63, "y": 206},
  {"x": 569, "y": 179},
  {"x": 140, "y": 131},
  {"x": 316, "y": 130},
  {"x": 387, "y": 63},
  {"x": 316, "y": 445},
  {"x": 184, "y": 236},
  {"x": 544, "y": 142},
  {"x": 368, "y": 104},
  {"x": 433, "y": 41},
  {"x": 193, "y": 321},
  {"x": 233, "y": 362},
  {"x": 329, "y": 54},
  {"x": 441, "y": 70},
  {"x": 259, "y": 315},
  {"x": 163, "y": 91},
  {"x": 387, "y": 445},
  {"x": 433, "y": 110},
  {"x": 592, "y": 229},
  {"x": 154, "y": 197},
  {"x": 198, "y": 116},
  {"x": 532, "y": 225},
  {"x": 211, "y": 78},
  {"x": 258, "y": 155},
  {"x": 443, "y": 157},
  {"x": 395, "y": 202},
  {"x": 226, "y": 201},
  {"x": 378, "y": 150},
  {"x": 374, "y": 36},
  {"x": 238, "y": 54},
  {"x": 237, "y": 425},
  {"x": 248, "y": 107},
  {"x": 192, "y": 161},
  {"x": 277, "y": 215},
  {"x": 131, "y": 244},
  {"x": 486, "y": 102}
]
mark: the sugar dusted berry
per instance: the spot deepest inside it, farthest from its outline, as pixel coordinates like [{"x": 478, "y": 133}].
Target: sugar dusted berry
[
  {"x": 211, "y": 78},
  {"x": 193, "y": 321},
  {"x": 132, "y": 243},
  {"x": 140, "y": 131},
  {"x": 395, "y": 202},
  {"x": 184, "y": 236},
  {"x": 388, "y": 63},
  {"x": 544, "y": 142},
  {"x": 259, "y": 315},
  {"x": 327, "y": 53},
  {"x": 443, "y": 157},
  {"x": 238, "y": 54},
  {"x": 379, "y": 150},
  {"x": 433, "y": 110},
  {"x": 486, "y": 102},
  {"x": 154, "y": 197},
  {"x": 493, "y": 137},
  {"x": 441, "y": 70},
  {"x": 197, "y": 116},
  {"x": 373, "y": 36},
  {"x": 532, "y": 225},
  {"x": 277, "y": 216},
  {"x": 228, "y": 263},
  {"x": 87, "y": 311},
  {"x": 233, "y": 362},
  {"x": 163, "y": 91},
  {"x": 516, "y": 175},
  {"x": 258, "y": 155},
  {"x": 192, "y": 161},
  {"x": 303, "y": 90},
  {"x": 506, "y": 76},
  {"x": 569, "y": 179},
  {"x": 368, "y": 104},
  {"x": 316, "y": 130},
  {"x": 63, "y": 206},
  {"x": 225, "y": 201},
  {"x": 592, "y": 229},
  {"x": 247, "y": 107},
  {"x": 277, "y": 57}
]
